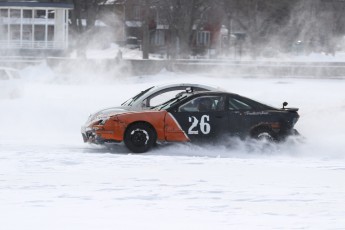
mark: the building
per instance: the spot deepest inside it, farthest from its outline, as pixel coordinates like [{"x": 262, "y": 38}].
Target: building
[
  {"x": 205, "y": 39},
  {"x": 38, "y": 26}
]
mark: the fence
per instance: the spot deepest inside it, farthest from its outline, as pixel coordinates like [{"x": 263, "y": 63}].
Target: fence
[{"x": 32, "y": 45}]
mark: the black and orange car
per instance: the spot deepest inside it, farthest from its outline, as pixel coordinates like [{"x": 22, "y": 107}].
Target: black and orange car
[{"x": 193, "y": 116}]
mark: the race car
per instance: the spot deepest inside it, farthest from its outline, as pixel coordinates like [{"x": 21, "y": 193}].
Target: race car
[{"x": 196, "y": 117}]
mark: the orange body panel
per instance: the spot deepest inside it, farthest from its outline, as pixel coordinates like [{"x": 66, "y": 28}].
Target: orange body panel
[
  {"x": 165, "y": 125},
  {"x": 173, "y": 131}
]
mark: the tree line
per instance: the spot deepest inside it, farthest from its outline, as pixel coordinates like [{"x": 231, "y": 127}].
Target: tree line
[{"x": 281, "y": 24}]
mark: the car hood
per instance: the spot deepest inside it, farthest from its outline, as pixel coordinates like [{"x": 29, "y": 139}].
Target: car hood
[{"x": 105, "y": 113}]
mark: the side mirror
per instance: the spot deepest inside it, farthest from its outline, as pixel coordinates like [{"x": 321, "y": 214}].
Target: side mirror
[{"x": 285, "y": 104}]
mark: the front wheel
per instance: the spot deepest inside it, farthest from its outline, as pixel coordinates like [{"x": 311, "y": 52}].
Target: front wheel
[{"x": 140, "y": 137}]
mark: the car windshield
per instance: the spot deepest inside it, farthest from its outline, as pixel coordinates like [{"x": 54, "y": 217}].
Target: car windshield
[
  {"x": 170, "y": 102},
  {"x": 131, "y": 100}
]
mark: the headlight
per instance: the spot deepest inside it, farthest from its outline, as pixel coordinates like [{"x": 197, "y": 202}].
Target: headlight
[{"x": 102, "y": 122}]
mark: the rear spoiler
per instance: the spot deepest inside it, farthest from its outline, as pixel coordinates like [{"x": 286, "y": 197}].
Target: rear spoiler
[{"x": 289, "y": 109}]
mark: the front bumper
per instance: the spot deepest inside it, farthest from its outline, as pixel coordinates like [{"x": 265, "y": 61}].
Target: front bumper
[{"x": 90, "y": 136}]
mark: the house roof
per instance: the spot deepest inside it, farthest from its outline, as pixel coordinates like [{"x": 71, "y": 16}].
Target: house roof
[{"x": 38, "y": 3}]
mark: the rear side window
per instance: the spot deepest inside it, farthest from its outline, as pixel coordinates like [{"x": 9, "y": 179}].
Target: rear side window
[{"x": 236, "y": 104}]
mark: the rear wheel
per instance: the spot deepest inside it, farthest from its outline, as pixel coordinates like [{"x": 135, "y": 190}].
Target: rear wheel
[
  {"x": 264, "y": 134},
  {"x": 140, "y": 137}
]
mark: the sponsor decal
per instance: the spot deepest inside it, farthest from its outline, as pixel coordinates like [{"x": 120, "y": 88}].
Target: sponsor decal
[
  {"x": 255, "y": 113},
  {"x": 203, "y": 124}
]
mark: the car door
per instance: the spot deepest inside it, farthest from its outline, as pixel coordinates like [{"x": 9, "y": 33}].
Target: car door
[{"x": 202, "y": 118}]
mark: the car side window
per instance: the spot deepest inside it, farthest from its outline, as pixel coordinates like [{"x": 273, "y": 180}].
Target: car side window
[
  {"x": 3, "y": 75},
  {"x": 236, "y": 104},
  {"x": 203, "y": 104},
  {"x": 162, "y": 97}
]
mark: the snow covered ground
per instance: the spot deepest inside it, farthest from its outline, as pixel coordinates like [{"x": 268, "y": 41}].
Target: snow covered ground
[{"x": 49, "y": 179}]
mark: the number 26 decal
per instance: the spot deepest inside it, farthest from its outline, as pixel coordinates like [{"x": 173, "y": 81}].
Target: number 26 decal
[{"x": 205, "y": 127}]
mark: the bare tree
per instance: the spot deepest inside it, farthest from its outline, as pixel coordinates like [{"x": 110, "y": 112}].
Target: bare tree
[
  {"x": 183, "y": 17},
  {"x": 264, "y": 22},
  {"x": 260, "y": 20},
  {"x": 87, "y": 10},
  {"x": 76, "y": 16},
  {"x": 318, "y": 24}
]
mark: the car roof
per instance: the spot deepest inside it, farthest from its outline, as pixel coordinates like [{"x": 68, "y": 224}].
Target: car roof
[
  {"x": 165, "y": 86},
  {"x": 213, "y": 93},
  {"x": 159, "y": 88},
  {"x": 155, "y": 89}
]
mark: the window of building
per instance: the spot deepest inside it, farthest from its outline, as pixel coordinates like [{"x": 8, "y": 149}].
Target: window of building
[
  {"x": 15, "y": 32},
  {"x": 14, "y": 13},
  {"x": 50, "y": 33},
  {"x": 3, "y": 33},
  {"x": 158, "y": 38},
  {"x": 136, "y": 12},
  {"x": 3, "y": 26},
  {"x": 27, "y": 33},
  {"x": 203, "y": 38},
  {"x": 40, "y": 14},
  {"x": 39, "y": 33},
  {"x": 3, "y": 13},
  {"x": 51, "y": 13},
  {"x": 27, "y": 13}
]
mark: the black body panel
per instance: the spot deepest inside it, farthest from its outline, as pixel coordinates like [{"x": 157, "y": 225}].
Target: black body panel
[{"x": 230, "y": 114}]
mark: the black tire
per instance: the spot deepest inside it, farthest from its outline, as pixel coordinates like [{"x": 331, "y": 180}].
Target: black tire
[
  {"x": 140, "y": 137},
  {"x": 264, "y": 134}
]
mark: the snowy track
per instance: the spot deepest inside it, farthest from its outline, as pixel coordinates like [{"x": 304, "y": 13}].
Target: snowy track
[{"x": 49, "y": 179}]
